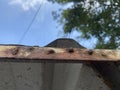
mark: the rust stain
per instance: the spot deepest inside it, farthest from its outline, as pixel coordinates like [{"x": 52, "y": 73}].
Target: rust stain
[
  {"x": 68, "y": 54},
  {"x": 15, "y": 51},
  {"x": 70, "y": 50},
  {"x": 90, "y": 52},
  {"x": 50, "y": 51}
]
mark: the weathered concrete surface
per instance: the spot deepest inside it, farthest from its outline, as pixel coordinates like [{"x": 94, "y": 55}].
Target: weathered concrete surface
[
  {"x": 21, "y": 76},
  {"x": 41, "y": 76},
  {"x": 76, "y": 77}
]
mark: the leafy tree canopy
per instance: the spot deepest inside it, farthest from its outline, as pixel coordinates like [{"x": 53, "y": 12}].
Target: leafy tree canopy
[{"x": 93, "y": 18}]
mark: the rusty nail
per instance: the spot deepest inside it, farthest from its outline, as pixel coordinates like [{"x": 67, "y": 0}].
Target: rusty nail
[
  {"x": 103, "y": 54},
  {"x": 15, "y": 51},
  {"x": 70, "y": 50},
  {"x": 90, "y": 52},
  {"x": 50, "y": 51},
  {"x": 30, "y": 49}
]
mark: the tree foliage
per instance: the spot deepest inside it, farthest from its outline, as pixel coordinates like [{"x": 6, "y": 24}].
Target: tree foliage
[{"x": 93, "y": 18}]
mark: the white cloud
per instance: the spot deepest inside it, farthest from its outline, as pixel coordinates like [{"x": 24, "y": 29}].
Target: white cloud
[{"x": 28, "y": 4}]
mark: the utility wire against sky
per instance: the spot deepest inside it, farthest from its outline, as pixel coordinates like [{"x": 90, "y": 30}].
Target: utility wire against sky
[{"x": 29, "y": 26}]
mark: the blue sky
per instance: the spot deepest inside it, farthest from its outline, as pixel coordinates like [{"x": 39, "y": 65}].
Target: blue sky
[
  {"x": 16, "y": 15},
  {"x": 15, "y": 19}
]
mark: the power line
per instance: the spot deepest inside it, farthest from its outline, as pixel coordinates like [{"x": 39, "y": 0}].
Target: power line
[{"x": 29, "y": 26}]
